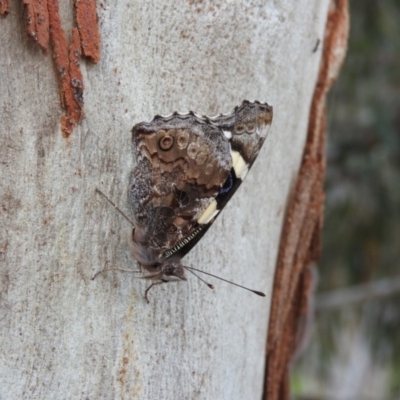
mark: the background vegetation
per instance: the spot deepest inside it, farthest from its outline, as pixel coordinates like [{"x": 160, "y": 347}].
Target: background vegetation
[{"x": 354, "y": 349}]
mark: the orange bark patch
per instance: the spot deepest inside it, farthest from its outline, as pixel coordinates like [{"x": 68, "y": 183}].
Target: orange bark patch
[
  {"x": 44, "y": 26},
  {"x": 73, "y": 95},
  {"x": 37, "y": 22},
  {"x": 71, "y": 102},
  {"x": 74, "y": 56},
  {"x": 86, "y": 20},
  {"x": 4, "y": 7},
  {"x": 301, "y": 235}
]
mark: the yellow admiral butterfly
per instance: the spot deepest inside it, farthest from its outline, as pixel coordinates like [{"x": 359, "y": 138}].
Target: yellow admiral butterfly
[{"x": 188, "y": 167}]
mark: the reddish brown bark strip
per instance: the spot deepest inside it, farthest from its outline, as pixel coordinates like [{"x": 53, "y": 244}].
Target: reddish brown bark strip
[
  {"x": 74, "y": 93},
  {"x": 70, "y": 91},
  {"x": 37, "y": 22},
  {"x": 44, "y": 25},
  {"x": 300, "y": 241},
  {"x": 86, "y": 19},
  {"x": 4, "y": 7},
  {"x": 75, "y": 74}
]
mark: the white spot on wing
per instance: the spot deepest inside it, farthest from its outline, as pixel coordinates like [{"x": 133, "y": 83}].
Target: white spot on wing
[{"x": 227, "y": 134}]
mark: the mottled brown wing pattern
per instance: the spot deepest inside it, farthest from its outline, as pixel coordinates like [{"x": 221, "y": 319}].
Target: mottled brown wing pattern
[
  {"x": 188, "y": 167},
  {"x": 182, "y": 164}
]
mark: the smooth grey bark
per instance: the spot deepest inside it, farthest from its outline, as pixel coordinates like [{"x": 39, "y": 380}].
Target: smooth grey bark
[{"x": 65, "y": 336}]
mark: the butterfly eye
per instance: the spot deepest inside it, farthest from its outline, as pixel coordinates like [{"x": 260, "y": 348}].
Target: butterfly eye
[
  {"x": 166, "y": 142},
  {"x": 168, "y": 269},
  {"x": 251, "y": 127},
  {"x": 239, "y": 128}
]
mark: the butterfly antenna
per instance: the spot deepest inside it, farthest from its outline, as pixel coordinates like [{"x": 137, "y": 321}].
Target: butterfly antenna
[
  {"x": 115, "y": 206},
  {"x": 198, "y": 277},
  {"x": 225, "y": 280}
]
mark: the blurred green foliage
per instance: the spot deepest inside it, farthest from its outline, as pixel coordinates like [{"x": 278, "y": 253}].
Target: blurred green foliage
[
  {"x": 361, "y": 237},
  {"x": 362, "y": 227}
]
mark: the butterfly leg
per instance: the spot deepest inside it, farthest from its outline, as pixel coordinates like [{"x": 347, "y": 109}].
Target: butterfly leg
[
  {"x": 147, "y": 290},
  {"x": 117, "y": 269}
]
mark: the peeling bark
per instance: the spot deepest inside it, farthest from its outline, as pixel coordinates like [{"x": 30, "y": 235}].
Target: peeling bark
[
  {"x": 86, "y": 19},
  {"x": 301, "y": 235},
  {"x": 37, "y": 22},
  {"x": 43, "y": 25},
  {"x": 4, "y": 7}
]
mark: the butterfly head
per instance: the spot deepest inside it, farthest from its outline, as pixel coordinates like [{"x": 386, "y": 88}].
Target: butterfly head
[
  {"x": 172, "y": 270},
  {"x": 169, "y": 269}
]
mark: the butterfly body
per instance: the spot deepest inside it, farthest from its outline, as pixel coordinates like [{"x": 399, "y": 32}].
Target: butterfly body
[{"x": 188, "y": 167}]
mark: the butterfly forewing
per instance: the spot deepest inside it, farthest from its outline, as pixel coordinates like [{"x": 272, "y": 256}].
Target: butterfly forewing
[{"x": 188, "y": 167}]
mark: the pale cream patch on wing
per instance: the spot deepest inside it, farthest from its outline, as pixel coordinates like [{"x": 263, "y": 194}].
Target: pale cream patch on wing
[
  {"x": 239, "y": 165},
  {"x": 209, "y": 213}
]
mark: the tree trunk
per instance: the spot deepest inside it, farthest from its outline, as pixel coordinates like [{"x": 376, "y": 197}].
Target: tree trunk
[{"x": 64, "y": 335}]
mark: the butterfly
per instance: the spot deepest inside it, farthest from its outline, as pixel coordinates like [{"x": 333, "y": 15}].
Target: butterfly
[{"x": 188, "y": 167}]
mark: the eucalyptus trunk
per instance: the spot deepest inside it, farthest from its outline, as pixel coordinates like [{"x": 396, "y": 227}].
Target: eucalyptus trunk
[{"x": 64, "y": 335}]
